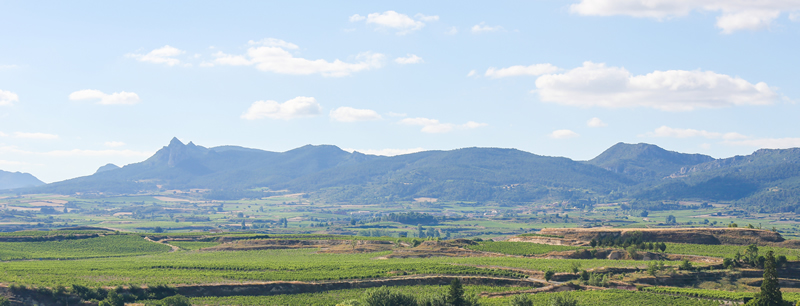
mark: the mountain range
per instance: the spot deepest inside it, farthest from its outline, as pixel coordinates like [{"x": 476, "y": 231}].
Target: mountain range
[{"x": 642, "y": 172}]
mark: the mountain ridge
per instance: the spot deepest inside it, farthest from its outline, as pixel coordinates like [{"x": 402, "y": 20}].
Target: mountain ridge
[{"x": 622, "y": 172}]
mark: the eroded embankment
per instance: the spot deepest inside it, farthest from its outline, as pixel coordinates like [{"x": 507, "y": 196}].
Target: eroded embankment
[
  {"x": 273, "y": 288},
  {"x": 734, "y": 236}
]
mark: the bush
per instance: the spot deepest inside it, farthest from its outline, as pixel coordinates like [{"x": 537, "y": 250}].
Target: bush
[
  {"x": 112, "y": 299},
  {"x": 563, "y": 299},
  {"x": 520, "y": 300},
  {"x": 548, "y": 275},
  {"x": 4, "y": 301},
  {"x": 384, "y": 296},
  {"x": 685, "y": 265},
  {"x": 175, "y": 300}
]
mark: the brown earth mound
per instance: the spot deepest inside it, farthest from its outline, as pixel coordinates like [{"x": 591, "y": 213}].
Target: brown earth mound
[{"x": 435, "y": 249}]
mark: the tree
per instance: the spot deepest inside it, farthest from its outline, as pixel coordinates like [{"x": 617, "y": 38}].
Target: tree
[
  {"x": 593, "y": 243},
  {"x": 4, "y": 301},
  {"x": 548, "y": 275},
  {"x": 752, "y": 254},
  {"x": 770, "y": 294},
  {"x": 158, "y": 229},
  {"x": 662, "y": 247},
  {"x": 671, "y": 219},
  {"x": 455, "y": 296}
]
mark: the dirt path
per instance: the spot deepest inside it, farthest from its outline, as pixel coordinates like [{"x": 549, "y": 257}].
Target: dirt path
[{"x": 174, "y": 248}]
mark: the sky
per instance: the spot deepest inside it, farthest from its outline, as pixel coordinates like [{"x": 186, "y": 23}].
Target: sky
[{"x": 86, "y": 83}]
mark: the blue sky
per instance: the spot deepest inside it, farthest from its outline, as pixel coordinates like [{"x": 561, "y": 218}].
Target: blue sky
[{"x": 87, "y": 83}]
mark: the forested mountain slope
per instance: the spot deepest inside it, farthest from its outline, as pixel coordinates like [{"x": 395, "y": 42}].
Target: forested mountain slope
[
  {"x": 464, "y": 174},
  {"x": 645, "y": 161},
  {"x": 10, "y": 180}
]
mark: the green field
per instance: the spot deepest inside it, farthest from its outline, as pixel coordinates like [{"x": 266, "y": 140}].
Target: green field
[
  {"x": 520, "y": 248},
  {"x": 601, "y": 298},
  {"x": 107, "y": 246}
]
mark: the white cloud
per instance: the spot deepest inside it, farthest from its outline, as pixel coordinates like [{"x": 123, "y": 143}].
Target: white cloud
[
  {"x": 393, "y": 114},
  {"x": 434, "y": 126},
  {"x": 3, "y": 134},
  {"x": 563, "y": 134},
  {"x": 409, "y": 59},
  {"x": 767, "y": 143},
  {"x": 671, "y": 90},
  {"x": 394, "y": 20},
  {"x": 164, "y": 55},
  {"x": 483, "y": 28},
  {"x": 386, "y": 152},
  {"x": 357, "y": 17},
  {"x": 274, "y": 42},
  {"x": 735, "y": 14},
  {"x": 349, "y": 114},
  {"x": 8, "y": 98},
  {"x": 595, "y": 122},
  {"x": 535, "y": 70},
  {"x": 451, "y": 31},
  {"x": 472, "y": 73},
  {"x": 665, "y": 131},
  {"x": 279, "y": 60},
  {"x": 40, "y": 136},
  {"x": 294, "y": 108},
  {"x": 8, "y": 67},
  {"x": 795, "y": 16},
  {"x": 114, "y": 144},
  {"x": 117, "y": 98},
  {"x": 426, "y": 18}
]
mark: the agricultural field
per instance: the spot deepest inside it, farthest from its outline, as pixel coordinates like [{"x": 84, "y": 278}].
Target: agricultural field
[{"x": 180, "y": 242}]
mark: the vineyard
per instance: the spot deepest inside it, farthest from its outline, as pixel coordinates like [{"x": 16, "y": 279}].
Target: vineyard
[
  {"x": 520, "y": 248},
  {"x": 716, "y": 294},
  {"x": 726, "y": 251},
  {"x": 600, "y": 298},
  {"x": 106, "y": 246}
]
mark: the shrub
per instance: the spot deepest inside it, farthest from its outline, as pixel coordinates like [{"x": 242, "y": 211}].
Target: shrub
[
  {"x": 520, "y": 300},
  {"x": 384, "y": 296},
  {"x": 685, "y": 265},
  {"x": 175, "y": 300},
  {"x": 563, "y": 299}
]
